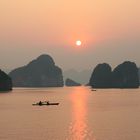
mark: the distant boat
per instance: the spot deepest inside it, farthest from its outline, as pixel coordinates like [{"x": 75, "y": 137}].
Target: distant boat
[
  {"x": 47, "y": 103},
  {"x": 93, "y": 90}
]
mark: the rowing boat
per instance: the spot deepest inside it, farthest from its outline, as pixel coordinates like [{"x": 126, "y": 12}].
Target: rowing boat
[{"x": 46, "y": 104}]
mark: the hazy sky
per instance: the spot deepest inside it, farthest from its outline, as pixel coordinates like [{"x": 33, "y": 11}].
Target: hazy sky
[{"x": 109, "y": 31}]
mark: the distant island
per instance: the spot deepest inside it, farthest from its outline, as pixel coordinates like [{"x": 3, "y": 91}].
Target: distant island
[
  {"x": 5, "y": 82},
  {"x": 139, "y": 75},
  {"x": 70, "y": 82},
  {"x": 124, "y": 75},
  {"x": 41, "y": 72},
  {"x": 81, "y": 76}
]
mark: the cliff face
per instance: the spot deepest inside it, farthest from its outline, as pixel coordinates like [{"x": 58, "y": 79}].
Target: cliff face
[
  {"x": 70, "y": 82},
  {"x": 101, "y": 76},
  {"x": 5, "y": 82},
  {"x": 41, "y": 72},
  {"x": 139, "y": 76},
  {"x": 124, "y": 75}
]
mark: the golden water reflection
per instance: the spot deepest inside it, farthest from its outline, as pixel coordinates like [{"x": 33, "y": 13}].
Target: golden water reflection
[{"x": 79, "y": 129}]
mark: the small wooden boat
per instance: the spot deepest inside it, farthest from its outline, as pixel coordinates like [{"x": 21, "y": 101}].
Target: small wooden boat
[{"x": 45, "y": 104}]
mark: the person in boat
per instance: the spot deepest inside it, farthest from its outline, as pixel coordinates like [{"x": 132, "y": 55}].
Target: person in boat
[
  {"x": 47, "y": 102},
  {"x": 40, "y": 103}
]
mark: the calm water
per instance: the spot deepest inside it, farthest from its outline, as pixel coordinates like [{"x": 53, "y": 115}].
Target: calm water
[{"x": 82, "y": 114}]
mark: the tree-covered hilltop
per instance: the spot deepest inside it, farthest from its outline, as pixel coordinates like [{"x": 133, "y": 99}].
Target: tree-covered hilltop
[{"x": 41, "y": 72}]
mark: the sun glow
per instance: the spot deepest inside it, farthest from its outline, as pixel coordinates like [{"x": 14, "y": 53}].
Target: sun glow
[{"x": 78, "y": 43}]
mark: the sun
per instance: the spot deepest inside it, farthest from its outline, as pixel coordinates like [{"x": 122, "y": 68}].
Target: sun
[{"x": 78, "y": 43}]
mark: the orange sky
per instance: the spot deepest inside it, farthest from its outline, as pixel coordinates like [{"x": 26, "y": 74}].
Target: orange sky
[{"x": 58, "y": 24}]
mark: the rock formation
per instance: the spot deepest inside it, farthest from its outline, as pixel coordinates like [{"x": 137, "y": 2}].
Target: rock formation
[
  {"x": 41, "y": 72},
  {"x": 124, "y": 75},
  {"x": 5, "y": 82},
  {"x": 139, "y": 76},
  {"x": 101, "y": 76},
  {"x": 70, "y": 82}
]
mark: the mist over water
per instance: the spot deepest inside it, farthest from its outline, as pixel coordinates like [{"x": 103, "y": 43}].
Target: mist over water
[{"x": 111, "y": 114}]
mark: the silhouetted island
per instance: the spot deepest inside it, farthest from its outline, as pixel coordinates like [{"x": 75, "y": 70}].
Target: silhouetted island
[
  {"x": 5, "y": 82},
  {"x": 41, "y": 72},
  {"x": 78, "y": 76},
  {"x": 139, "y": 75},
  {"x": 124, "y": 75},
  {"x": 101, "y": 76},
  {"x": 69, "y": 82}
]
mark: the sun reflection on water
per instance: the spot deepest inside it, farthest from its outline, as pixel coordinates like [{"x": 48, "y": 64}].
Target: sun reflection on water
[{"x": 79, "y": 129}]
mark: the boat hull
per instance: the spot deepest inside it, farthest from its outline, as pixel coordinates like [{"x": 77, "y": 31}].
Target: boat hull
[{"x": 46, "y": 104}]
